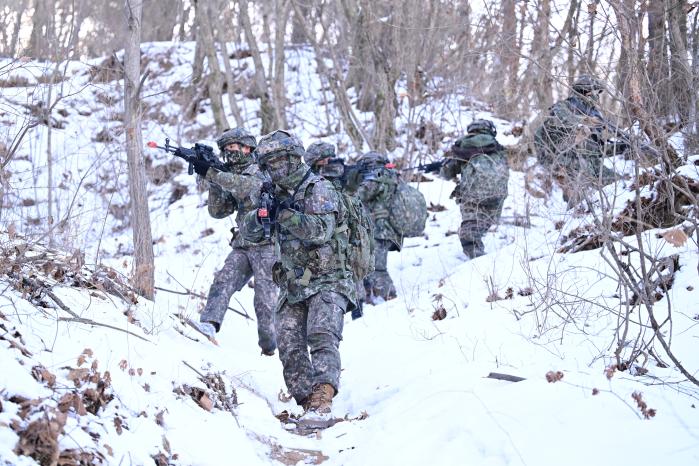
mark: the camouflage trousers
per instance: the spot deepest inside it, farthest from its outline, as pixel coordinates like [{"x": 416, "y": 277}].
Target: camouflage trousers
[
  {"x": 477, "y": 215},
  {"x": 316, "y": 325},
  {"x": 241, "y": 265},
  {"x": 379, "y": 283}
]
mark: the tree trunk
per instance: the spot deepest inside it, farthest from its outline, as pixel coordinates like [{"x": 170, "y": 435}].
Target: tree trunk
[
  {"x": 544, "y": 82},
  {"x": 230, "y": 85},
  {"x": 144, "y": 268},
  {"x": 657, "y": 68},
  {"x": 629, "y": 28},
  {"x": 278, "y": 86},
  {"x": 215, "y": 77},
  {"x": 42, "y": 29},
  {"x": 15, "y": 29},
  {"x": 267, "y": 113},
  {"x": 301, "y": 16},
  {"x": 681, "y": 73},
  {"x": 159, "y": 20}
]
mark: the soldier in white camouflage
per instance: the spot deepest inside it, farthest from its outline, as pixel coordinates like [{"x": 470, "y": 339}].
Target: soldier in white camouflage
[
  {"x": 376, "y": 192},
  {"x": 572, "y": 142},
  {"x": 238, "y": 189},
  {"x": 310, "y": 234},
  {"x": 481, "y": 165}
]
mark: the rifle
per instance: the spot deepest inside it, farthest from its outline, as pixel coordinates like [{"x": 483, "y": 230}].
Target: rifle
[
  {"x": 198, "y": 153},
  {"x": 461, "y": 154},
  {"x": 625, "y": 142},
  {"x": 267, "y": 210}
]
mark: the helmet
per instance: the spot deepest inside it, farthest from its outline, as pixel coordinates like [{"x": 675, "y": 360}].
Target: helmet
[
  {"x": 374, "y": 158},
  {"x": 482, "y": 126},
  {"x": 587, "y": 84},
  {"x": 279, "y": 141},
  {"x": 318, "y": 151},
  {"x": 237, "y": 135}
]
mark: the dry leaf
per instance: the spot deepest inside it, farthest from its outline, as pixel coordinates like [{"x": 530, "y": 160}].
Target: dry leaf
[
  {"x": 139, "y": 371},
  {"x": 205, "y": 402},
  {"x": 439, "y": 314},
  {"x": 78, "y": 375},
  {"x": 110, "y": 452},
  {"x": 676, "y": 237},
  {"x": 88, "y": 352},
  {"x": 12, "y": 231},
  {"x": 81, "y": 360},
  {"x": 552, "y": 377},
  {"x": 123, "y": 364}
]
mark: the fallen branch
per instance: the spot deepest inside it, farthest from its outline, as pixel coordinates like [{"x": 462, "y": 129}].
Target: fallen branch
[{"x": 507, "y": 377}]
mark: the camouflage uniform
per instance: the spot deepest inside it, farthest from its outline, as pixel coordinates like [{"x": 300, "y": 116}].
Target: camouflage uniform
[
  {"x": 239, "y": 189},
  {"x": 571, "y": 143},
  {"x": 318, "y": 155},
  {"x": 376, "y": 192},
  {"x": 316, "y": 284},
  {"x": 482, "y": 165}
]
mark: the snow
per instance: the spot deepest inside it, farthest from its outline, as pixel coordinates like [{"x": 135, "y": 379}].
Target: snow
[{"x": 421, "y": 383}]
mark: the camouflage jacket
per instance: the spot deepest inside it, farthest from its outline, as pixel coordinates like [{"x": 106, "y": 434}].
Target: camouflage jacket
[
  {"x": 377, "y": 196},
  {"x": 572, "y": 127},
  {"x": 236, "y": 190},
  {"x": 483, "y": 176},
  {"x": 312, "y": 242}
]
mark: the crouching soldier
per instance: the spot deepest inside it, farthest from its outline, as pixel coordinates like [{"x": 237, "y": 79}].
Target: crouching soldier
[{"x": 308, "y": 225}]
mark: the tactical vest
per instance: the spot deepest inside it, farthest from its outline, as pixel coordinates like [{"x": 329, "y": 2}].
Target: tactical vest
[{"x": 303, "y": 262}]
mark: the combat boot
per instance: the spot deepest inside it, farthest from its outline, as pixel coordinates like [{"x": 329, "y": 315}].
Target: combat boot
[{"x": 321, "y": 399}]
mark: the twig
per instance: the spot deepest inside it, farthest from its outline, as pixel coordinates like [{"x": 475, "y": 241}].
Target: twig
[
  {"x": 83, "y": 320},
  {"x": 188, "y": 292}
]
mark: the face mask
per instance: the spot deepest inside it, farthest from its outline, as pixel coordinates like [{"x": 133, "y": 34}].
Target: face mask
[{"x": 235, "y": 157}]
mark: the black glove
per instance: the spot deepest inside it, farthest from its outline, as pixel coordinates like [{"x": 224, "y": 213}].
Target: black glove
[{"x": 200, "y": 166}]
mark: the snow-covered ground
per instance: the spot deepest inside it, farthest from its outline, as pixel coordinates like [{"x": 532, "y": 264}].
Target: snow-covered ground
[{"x": 414, "y": 390}]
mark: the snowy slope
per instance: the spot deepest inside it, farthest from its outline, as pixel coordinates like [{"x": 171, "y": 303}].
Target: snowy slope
[{"x": 415, "y": 389}]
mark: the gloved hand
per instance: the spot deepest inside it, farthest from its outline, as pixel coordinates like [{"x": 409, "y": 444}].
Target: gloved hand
[
  {"x": 200, "y": 166},
  {"x": 208, "y": 329}
]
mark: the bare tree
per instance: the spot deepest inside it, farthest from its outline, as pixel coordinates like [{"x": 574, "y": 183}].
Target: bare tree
[
  {"x": 214, "y": 80},
  {"x": 144, "y": 268}
]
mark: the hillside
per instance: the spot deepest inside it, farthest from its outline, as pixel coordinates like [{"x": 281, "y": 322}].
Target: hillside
[{"x": 93, "y": 373}]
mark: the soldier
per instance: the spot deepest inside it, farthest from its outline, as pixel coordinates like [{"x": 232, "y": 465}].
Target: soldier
[
  {"x": 239, "y": 189},
  {"x": 376, "y": 192},
  {"x": 321, "y": 157},
  {"x": 571, "y": 142},
  {"x": 481, "y": 163},
  {"x": 316, "y": 283}
]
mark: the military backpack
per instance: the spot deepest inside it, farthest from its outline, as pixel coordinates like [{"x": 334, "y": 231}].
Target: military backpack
[
  {"x": 361, "y": 237},
  {"x": 408, "y": 211}
]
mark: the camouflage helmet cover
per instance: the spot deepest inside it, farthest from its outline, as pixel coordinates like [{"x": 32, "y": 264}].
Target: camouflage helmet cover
[
  {"x": 318, "y": 151},
  {"x": 236, "y": 135},
  {"x": 276, "y": 142},
  {"x": 482, "y": 126},
  {"x": 374, "y": 158},
  {"x": 587, "y": 84}
]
